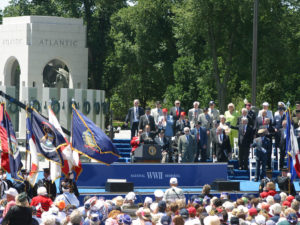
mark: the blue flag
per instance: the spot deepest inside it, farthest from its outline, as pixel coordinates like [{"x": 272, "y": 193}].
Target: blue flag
[
  {"x": 15, "y": 163},
  {"x": 47, "y": 138},
  {"x": 91, "y": 141},
  {"x": 291, "y": 148}
]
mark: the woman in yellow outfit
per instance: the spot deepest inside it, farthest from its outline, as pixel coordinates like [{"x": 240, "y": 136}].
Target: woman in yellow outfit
[{"x": 232, "y": 117}]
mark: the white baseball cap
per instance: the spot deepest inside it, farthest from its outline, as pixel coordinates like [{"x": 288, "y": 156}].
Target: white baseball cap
[
  {"x": 265, "y": 104},
  {"x": 158, "y": 193},
  {"x": 130, "y": 196},
  {"x": 173, "y": 180},
  {"x": 148, "y": 200},
  {"x": 42, "y": 191},
  {"x": 12, "y": 192}
]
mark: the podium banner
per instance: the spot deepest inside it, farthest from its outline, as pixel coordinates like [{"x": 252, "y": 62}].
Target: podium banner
[{"x": 152, "y": 175}]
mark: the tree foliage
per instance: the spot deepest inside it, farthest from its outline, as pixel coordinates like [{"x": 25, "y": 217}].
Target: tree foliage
[{"x": 184, "y": 49}]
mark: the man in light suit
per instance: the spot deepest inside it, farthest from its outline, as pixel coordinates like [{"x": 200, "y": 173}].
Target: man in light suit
[
  {"x": 147, "y": 119},
  {"x": 133, "y": 116},
  {"x": 187, "y": 146},
  {"x": 200, "y": 134},
  {"x": 156, "y": 112},
  {"x": 212, "y": 112},
  {"x": 194, "y": 114},
  {"x": 269, "y": 112}
]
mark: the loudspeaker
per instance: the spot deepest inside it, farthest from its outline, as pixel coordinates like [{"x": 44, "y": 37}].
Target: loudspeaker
[
  {"x": 119, "y": 186},
  {"x": 223, "y": 185}
]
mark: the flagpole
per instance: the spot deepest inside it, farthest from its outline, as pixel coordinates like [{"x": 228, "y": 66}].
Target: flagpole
[
  {"x": 289, "y": 160},
  {"x": 289, "y": 157}
]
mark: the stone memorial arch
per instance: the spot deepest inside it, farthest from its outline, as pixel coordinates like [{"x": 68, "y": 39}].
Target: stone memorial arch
[{"x": 45, "y": 58}]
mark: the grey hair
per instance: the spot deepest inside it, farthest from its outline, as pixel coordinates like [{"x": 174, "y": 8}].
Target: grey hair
[{"x": 75, "y": 217}]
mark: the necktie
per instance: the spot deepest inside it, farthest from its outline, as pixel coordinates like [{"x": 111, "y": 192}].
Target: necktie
[
  {"x": 207, "y": 117},
  {"x": 177, "y": 112},
  {"x": 187, "y": 137},
  {"x": 244, "y": 130},
  {"x": 198, "y": 136},
  {"x": 263, "y": 120}
]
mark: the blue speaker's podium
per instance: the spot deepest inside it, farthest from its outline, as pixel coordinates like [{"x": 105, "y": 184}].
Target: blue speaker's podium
[{"x": 148, "y": 153}]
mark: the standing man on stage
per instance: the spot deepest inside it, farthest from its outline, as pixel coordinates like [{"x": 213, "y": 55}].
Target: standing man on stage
[
  {"x": 133, "y": 116},
  {"x": 157, "y": 112},
  {"x": 147, "y": 119},
  {"x": 221, "y": 146},
  {"x": 47, "y": 183},
  {"x": 262, "y": 143},
  {"x": 194, "y": 114},
  {"x": 245, "y": 137},
  {"x": 187, "y": 146},
  {"x": 201, "y": 138},
  {"x": 175, "y": 112}
]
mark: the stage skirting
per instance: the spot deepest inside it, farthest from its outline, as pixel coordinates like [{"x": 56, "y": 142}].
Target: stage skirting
[{"x": 152, "y": 175}]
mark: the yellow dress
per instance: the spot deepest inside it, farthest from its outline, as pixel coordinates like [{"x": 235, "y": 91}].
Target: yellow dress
[{"x": 232, "y": 119}]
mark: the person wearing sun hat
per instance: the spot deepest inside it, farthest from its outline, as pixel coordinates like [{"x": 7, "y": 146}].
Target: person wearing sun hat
[{"x": 11, "y": 194}]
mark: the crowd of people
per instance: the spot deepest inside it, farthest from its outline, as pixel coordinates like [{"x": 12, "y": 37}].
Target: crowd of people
[
  {"x": 199, "y": 135},
  {"x": 169, "y": 207}
]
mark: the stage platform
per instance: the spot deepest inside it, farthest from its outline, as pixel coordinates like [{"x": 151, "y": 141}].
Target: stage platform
[{"x": 152, "y": 175}]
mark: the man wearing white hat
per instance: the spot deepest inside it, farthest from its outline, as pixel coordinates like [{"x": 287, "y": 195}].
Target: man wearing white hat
[
  {"x": 269, "y": 112},
  {"x": 158, "y": 194},
  {"x": 173, "y": 193},
  {"x": 11, "y": 193}
]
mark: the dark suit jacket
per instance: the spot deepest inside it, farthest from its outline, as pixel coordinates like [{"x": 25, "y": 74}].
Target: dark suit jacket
[
  {"x": 130, "y": 115},
  {"x": 278, "y": 121},
  {"x": 245, "y": 139},
  {"x": 203, "y": 136},
  {"x": 173, "y": 112},
  {"x": 166, "y": 144},
  {"x": 149, "y": 139},
  {"x": 221, "y": 150},
  {"x": 144, "y": 121}
]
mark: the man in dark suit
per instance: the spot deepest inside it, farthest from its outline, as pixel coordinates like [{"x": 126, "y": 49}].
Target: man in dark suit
[
  {"x": 47, "y": 183},
  {"x": 187, "y": 146},
  {"x": 148, "y": 136},
  {"x": 175, "y": 112},
  {"x": 147, "y": 119},
  {"x": 278, "y": 118},
  {"x": 200, "y": 134},
  {"x": 282, "y": 144},
  {"x": 261, "y": 143},
  {"x": 133, "y": 116},
  {"x": 221, "y": 146},
  {"x": 164, "y": 142},
  {"x": 250, "y": 115},
  {"x": 245, "y": 138}
]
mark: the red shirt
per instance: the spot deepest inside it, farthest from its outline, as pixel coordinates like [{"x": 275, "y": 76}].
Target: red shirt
[
  {"x": 45, "y": 202},
  {"x": 135, "y": 142}
]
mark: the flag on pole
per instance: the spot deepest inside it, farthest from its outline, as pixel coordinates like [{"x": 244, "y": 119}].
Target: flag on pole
[
  {"x": 292, "y": 148},
  {"x": 91, "y": 141},
  {"x": 4, "y": 142},
  {"x": 71, "y": 158},
  {"x": 15, "y": 163},
  {"x": 49, "y": 142},
  {"x": 31, "y": 148}
]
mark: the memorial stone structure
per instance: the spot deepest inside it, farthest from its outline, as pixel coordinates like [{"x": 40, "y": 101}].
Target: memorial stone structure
[{"x": 44, "y": 60}]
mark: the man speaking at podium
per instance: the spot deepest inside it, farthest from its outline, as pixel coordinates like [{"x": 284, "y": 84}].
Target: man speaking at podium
[{"x": 187, "y": 146}]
